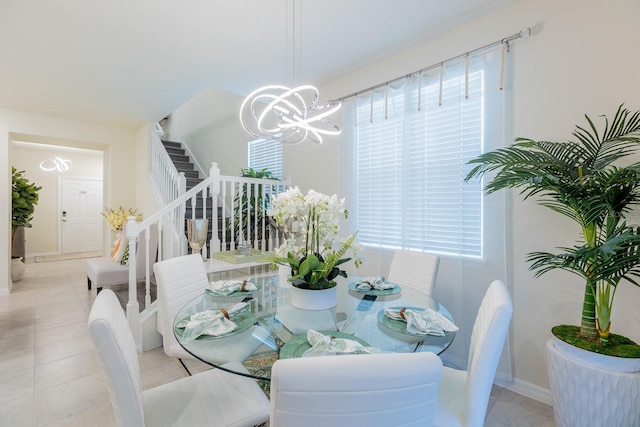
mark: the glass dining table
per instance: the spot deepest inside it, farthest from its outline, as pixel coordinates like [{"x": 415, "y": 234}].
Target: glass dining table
[{"x": 270, "y": 327}]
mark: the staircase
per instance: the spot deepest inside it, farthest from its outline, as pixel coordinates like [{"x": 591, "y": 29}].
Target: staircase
[{"x": 183, "y": 164}]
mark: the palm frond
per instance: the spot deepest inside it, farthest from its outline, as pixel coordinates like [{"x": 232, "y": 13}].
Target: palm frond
[{"x": 612, "y": 260}]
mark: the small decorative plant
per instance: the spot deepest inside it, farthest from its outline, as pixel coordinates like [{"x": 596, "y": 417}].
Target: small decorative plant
[
  {"x": 24, "y": 199},
  {"x": 116, "y": 218},
  {"x": 592, "y": 182},
  {"x": 250, "y": 206},
  {"x": 313, "y": 247}
]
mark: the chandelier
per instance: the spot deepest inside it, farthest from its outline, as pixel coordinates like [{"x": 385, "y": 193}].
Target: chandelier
[
  {"x": 57, "y": 164},
  {"x": 288, "y": 115}
]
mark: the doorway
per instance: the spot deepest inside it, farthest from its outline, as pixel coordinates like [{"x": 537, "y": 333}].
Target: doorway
[{"x": 80, "y": 210}]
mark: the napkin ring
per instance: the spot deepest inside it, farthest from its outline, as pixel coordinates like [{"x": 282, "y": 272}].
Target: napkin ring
[
  {"x": 402, "y": 310},
  {"x": 244, "y": 284},
  {"x": 225, "y": 313}
]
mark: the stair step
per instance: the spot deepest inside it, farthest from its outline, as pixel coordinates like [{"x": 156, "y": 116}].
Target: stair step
[
  {"x": 183, "y": 166},
  {"x": 198, "y": 209},
  {"x": 191, "y": 174},
  {"x": 209, "y": 204},
  {"x": 192, "y": 182},
  {"x": 178, "y": 151},
  {"x": 180, "y": 158},
  {"x": 172, "y": 144}
]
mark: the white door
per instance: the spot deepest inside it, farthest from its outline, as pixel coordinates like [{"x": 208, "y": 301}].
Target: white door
[{"x": 80, "y": 214}]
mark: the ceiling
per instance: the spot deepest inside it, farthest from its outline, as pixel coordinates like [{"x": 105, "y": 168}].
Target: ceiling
[{"x": 123, "y": 62}]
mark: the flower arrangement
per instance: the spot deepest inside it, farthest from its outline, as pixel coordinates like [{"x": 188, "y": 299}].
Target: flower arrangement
[
  {"x": 313, "y": 247},
  {"x": 116, "y": 218}
]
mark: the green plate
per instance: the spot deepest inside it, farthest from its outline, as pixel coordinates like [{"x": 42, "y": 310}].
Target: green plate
[
  {"x": 243, "y": 322},
  {"x": 298, "y": 344},
  {"x": 234, "y": 293},
  {"x": 399, "y": 325},
  {"x": 375, "y": 292}
]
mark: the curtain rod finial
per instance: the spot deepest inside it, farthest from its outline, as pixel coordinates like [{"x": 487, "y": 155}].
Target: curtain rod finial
[{"x": 525, "y": 32}]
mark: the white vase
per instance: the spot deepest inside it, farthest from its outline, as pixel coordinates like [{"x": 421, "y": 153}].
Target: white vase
[
  {"x": 314, "y": 299},
  {"x": 17, "y": 269},
  {"x": 585, "y": 394}
]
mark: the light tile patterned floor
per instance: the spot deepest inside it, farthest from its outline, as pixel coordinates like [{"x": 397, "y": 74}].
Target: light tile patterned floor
[{"x": 49, "y": 369}]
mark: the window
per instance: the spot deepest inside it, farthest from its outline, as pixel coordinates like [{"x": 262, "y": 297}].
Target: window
[
  {"x": 266, "y": 154},
  {"x": 410, "y": 162}
]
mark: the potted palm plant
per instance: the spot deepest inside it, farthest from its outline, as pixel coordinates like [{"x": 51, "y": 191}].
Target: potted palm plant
[
  {"x": 251, "y": 208},
  {"x": 24, "y": 198},
  {"x": 594, "y": 182}
]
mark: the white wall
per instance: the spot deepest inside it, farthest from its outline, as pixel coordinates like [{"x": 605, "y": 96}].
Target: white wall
[
  {"x": 117, "y": 144},
  {"x": 209, "y": 125}
]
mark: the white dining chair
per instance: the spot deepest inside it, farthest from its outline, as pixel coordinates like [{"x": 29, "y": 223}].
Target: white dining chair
[
  {"x": 414, "y": 270},
  {"x": 211, "y": 398},
  {"x": 384, "y": 389},
  {"x": 180, "y": 280},
  {"x": 464, "y": 395}
]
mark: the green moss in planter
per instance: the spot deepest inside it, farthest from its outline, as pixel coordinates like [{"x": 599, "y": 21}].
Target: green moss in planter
[{"x": 618, "y": 345}]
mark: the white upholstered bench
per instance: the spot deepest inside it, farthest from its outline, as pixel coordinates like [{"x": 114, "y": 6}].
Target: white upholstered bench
[{"x": 105, "y": 272}]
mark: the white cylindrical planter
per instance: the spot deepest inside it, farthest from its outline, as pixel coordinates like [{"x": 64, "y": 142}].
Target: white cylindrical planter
[
  {"x": 312, "y": 299},
  {"x": 588, "y": 395},
  {"x": 18, "y": 269}
]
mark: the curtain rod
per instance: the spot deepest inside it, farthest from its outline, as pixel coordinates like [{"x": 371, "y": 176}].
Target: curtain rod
[{"x": 522, "y": 34}]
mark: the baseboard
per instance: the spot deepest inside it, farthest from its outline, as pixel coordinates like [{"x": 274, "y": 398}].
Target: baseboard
[{"x": 529, "y": 390}]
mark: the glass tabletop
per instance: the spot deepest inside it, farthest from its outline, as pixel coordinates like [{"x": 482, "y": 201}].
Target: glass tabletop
[{"x": 268, "y": 326}]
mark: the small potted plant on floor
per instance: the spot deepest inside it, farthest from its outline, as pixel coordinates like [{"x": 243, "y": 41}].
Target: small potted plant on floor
[
  {"x": 24, "y": 198},
  {"x": 594, "y": 182}
]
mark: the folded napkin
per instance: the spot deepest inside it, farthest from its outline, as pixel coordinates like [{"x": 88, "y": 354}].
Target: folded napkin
[
  {"x": 226, "y": 287},
  {"x": 373, "y": 283},
  {"x": 326, "y": 345},
  {"x": 211, "y": 322},
  {"x": 427, "y": 322}
]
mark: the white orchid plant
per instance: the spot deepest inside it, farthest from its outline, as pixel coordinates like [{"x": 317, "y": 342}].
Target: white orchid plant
[{"x": 313, "y": 247}]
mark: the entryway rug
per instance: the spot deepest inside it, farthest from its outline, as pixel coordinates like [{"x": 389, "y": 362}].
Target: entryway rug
[{"x": 67, "y": 257}]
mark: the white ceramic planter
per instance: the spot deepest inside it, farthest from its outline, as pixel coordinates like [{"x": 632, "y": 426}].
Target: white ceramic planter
[
  {"x": 311, "y": 299},
  {"x": 585, "y": 394},
  {"x": 17, "y": 269}
]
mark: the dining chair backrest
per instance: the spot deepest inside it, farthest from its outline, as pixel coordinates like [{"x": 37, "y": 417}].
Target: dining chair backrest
[
  {"x": 179, "y": 280},
  {"x": 487, "y": 340},
  {"x": 464, "y": 395},
  {"x": 112, "y": 337},
  {"x": 355, "y": 390},
  {"x": 414, "y": 269}
]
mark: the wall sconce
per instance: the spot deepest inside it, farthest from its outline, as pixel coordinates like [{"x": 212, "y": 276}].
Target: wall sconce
[{"x": 59, "y": 164}]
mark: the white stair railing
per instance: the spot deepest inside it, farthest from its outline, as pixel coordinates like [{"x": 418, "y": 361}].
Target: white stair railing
[
  {"x": 232, "y": 221},
  {"x": 168, "y": 182}
]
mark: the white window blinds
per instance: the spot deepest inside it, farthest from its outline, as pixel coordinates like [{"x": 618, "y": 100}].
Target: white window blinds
[
  {"x": 413, "y": 141},
  {"x": 266, "y": 154}
]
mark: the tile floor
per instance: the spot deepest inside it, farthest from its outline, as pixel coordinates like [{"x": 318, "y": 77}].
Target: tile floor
[{"x": 49, "y": 369}]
